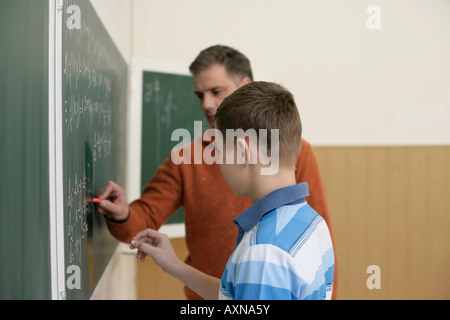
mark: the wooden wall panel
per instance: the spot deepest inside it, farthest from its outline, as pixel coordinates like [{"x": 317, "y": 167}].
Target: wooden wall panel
[
  {"x": 396, "y": 216},
  {"x": 376, "y": 214},
  {"x": 356, "y": 209},
  {"x": 389, "y": 206},
  {"x": 438, "y": 213},
  {"x": 154, "y": 284}
]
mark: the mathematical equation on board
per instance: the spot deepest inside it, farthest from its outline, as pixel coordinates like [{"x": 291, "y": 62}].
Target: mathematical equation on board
[
  {"x": 162, "y": 102},
  {"x": 93, "y": 111},
  {"x": 94, "y": 87},
  {"x": 88, "y": 73},
  {"x": 77, "y": 214}
]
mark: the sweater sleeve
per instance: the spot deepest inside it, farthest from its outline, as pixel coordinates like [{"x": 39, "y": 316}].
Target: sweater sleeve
[
  {"x": 308, "y": 171},
  {"x": 160, "y": 198}
]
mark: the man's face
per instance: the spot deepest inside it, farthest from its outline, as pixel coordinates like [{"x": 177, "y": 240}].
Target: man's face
[{"x": 212, "y": 85}]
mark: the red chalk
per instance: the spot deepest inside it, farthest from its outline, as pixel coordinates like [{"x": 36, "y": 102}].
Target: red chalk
[{"x": 95, "y": 200}]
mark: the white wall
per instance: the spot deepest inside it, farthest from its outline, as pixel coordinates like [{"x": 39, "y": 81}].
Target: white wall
[
  {"x": 116, "y": 17},
  {"x": 354, "y": 86}
]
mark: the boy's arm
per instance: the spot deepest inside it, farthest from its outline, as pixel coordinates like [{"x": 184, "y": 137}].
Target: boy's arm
[{"x": 157, "y": 245}]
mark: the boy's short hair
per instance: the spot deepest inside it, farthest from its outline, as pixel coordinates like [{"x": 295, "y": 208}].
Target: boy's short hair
[
  {"x": 264, "y": 105},
  {"x": 235, "y": 62}
]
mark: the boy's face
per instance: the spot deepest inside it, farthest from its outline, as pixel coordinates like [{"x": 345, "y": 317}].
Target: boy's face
[
  {"x": 234, "y": 171},
  {"x": 211, "y": 86},
  {"x": 231, "y": 172}
]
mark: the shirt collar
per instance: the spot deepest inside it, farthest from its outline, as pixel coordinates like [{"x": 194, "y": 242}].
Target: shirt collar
[{"x": 277, "y": 198}]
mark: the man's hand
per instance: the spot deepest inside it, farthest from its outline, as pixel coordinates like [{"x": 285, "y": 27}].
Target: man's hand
[{"x": 114, "y": 204}]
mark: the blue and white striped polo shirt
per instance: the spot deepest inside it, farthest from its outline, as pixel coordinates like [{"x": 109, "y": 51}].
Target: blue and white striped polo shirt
[{"x": 283, "y": 251}]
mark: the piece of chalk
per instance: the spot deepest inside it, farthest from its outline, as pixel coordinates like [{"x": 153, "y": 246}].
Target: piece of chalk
[{"x": 95, "y": 200}]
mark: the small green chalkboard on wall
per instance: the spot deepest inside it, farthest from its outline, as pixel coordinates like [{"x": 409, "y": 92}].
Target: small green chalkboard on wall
[{"x": 168, "y": 103}]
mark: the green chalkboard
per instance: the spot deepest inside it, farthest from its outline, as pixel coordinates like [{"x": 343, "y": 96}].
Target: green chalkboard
[
  {"x": 24, "y": 192},
  {"x": 168, "y": 103},
  {"x": 93, "y": 86},
  {"x": 94, "y": 100}
]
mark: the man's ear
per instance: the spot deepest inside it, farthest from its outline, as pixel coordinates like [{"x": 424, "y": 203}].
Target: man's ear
[
  {"x": 242, "y": 151},
  {"x": 244, "y": 81}
]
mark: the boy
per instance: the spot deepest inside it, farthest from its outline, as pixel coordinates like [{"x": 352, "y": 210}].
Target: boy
[{"x": 283, "y": 249}]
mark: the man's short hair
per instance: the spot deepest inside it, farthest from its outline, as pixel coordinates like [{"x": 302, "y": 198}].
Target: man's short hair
[
  {"x": 236, "y": 64},
  {"x": 264, "y": 105}
]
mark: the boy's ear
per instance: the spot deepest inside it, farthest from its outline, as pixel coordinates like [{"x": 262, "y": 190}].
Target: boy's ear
[
  {"x": 244, "y": 81},
  {"x": 242, "y": 151}
]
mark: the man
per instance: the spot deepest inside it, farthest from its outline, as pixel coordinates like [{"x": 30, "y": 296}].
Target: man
[{"x": 209, "y": 202}]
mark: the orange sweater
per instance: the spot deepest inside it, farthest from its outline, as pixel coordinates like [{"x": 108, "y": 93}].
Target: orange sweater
[{"x": 210, "y": 206}]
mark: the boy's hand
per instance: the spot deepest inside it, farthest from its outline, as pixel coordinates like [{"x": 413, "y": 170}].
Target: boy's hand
[
  {"x": 114, "y": 202},
  {"x": 157, "y": 245}
]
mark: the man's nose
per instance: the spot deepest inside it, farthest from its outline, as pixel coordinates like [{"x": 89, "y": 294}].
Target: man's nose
[{"x": 208, "y": 102}]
